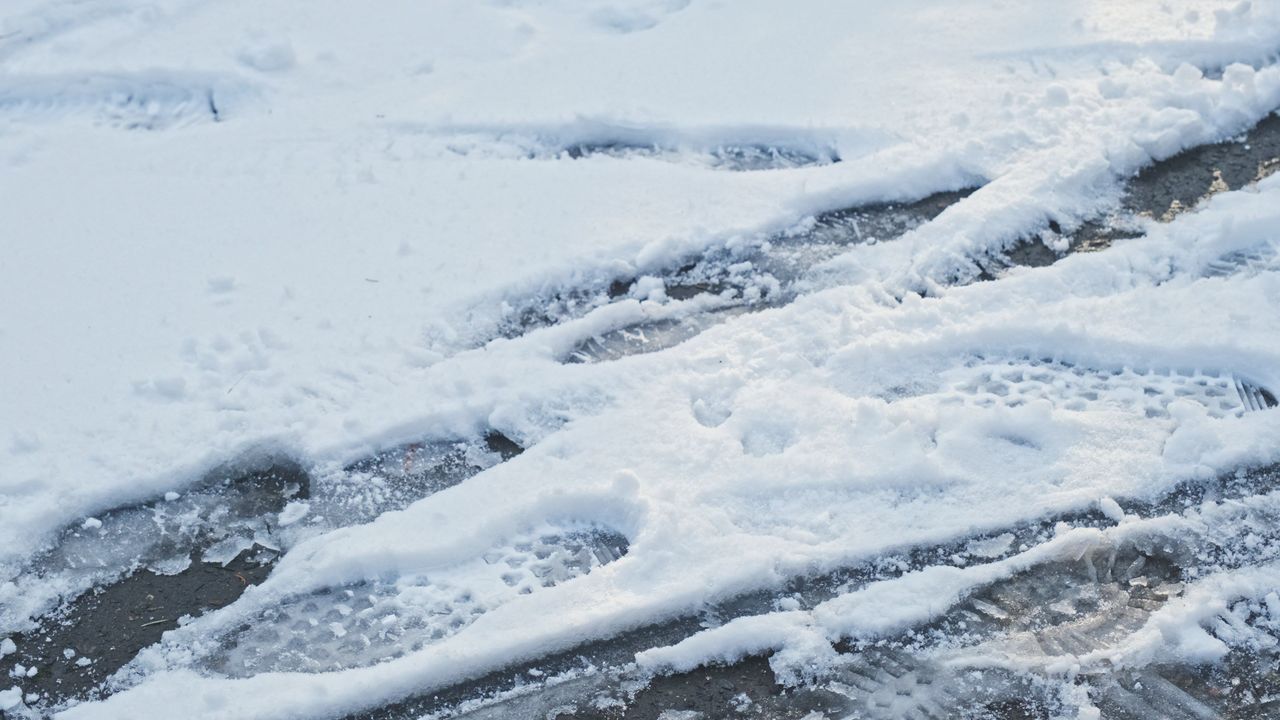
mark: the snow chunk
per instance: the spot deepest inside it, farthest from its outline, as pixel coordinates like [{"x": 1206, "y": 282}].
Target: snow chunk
[
  {"x": 1111, "y": 509},
  {"x": 650, "y": 288},
  {"x": 990, "y": 547},
  {"x": 11, "y": 698},
  {"x": 293, "y": 512}
]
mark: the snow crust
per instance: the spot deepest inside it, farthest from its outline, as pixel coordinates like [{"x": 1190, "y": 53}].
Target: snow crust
[{"x": 240, "y": 228}]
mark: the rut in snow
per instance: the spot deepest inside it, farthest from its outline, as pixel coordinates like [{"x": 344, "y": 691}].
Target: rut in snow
[
  {"x": 1047, "y": 615},
  {"x": 726, "y": 282}
]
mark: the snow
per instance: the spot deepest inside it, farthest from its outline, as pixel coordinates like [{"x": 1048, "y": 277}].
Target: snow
[
  {"x": 1178, "y": 632},
  {"x": 10, "y": 698},
  {"x": 293, "y": 512},
  {"x": 295, "y": 227},
  {"x": 1111, "y": 509}
]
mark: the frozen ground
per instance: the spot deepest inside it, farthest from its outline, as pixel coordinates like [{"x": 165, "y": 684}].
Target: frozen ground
[{"x": 568, "y": 319}]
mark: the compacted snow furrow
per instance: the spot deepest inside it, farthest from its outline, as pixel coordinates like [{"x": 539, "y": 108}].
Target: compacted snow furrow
[
  {"x": 347, "y": 627},
  {"x": 764, "y": 274},
  {"x": 1051, "y": 613},
  {"x": 150, "y": 100},
  {"x": 1163, "y": 191},
  {"x": 1054, "y": 615},
  {"x": 746, "y": 157},
  {"x": 1059, "y": 610},
  {"x": 394, "y": 478},
  {"x": 367, "y": 623},
  {"x": 743, "y": 279},
  {"x": 739, "y": 278},
  {"x": 1248, "y": 262},
  {"x": 149, "y": 565},
  {"x": 1148, "y": 694},
  {"x": 992, "y": 382},
  {"x": 733, "y": 149},
  {"x": 128, "y": 575}
]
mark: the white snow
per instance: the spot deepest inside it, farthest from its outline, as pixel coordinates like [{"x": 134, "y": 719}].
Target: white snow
[
  {"x": 244, "y": 227},
  {"x": 10, "y": 698},
  {"x": 1111, "y": 509},
  {"x": 293, "y": 512}
]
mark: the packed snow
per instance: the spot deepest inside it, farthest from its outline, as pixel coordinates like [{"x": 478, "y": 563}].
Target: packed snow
[{"x": 244, "y": 229}]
